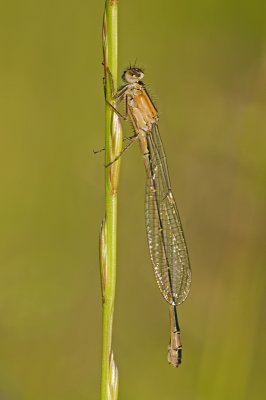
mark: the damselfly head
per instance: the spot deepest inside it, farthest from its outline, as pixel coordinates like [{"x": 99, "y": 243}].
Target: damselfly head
[{"x": 132, "y": 75}]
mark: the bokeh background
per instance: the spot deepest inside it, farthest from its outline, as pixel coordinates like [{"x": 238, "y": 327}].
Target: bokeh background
[{"x": 205, "y": 65}]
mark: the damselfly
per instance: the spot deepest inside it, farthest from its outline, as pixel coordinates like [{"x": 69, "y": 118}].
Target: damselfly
[{"x": 167, "y": 246}]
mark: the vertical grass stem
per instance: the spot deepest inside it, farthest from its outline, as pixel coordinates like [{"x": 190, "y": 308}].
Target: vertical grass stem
[{"x": 108, "y": 236}]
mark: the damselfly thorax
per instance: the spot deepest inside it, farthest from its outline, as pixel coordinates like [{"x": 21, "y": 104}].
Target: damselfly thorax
[{"x": 141, "y": 109}]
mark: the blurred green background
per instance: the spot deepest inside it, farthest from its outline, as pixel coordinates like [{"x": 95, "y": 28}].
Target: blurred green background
[{"x": 205, "y": 65}]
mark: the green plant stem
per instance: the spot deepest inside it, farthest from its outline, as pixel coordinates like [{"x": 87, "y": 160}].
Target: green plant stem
[{"x": 113, "y": 141}]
